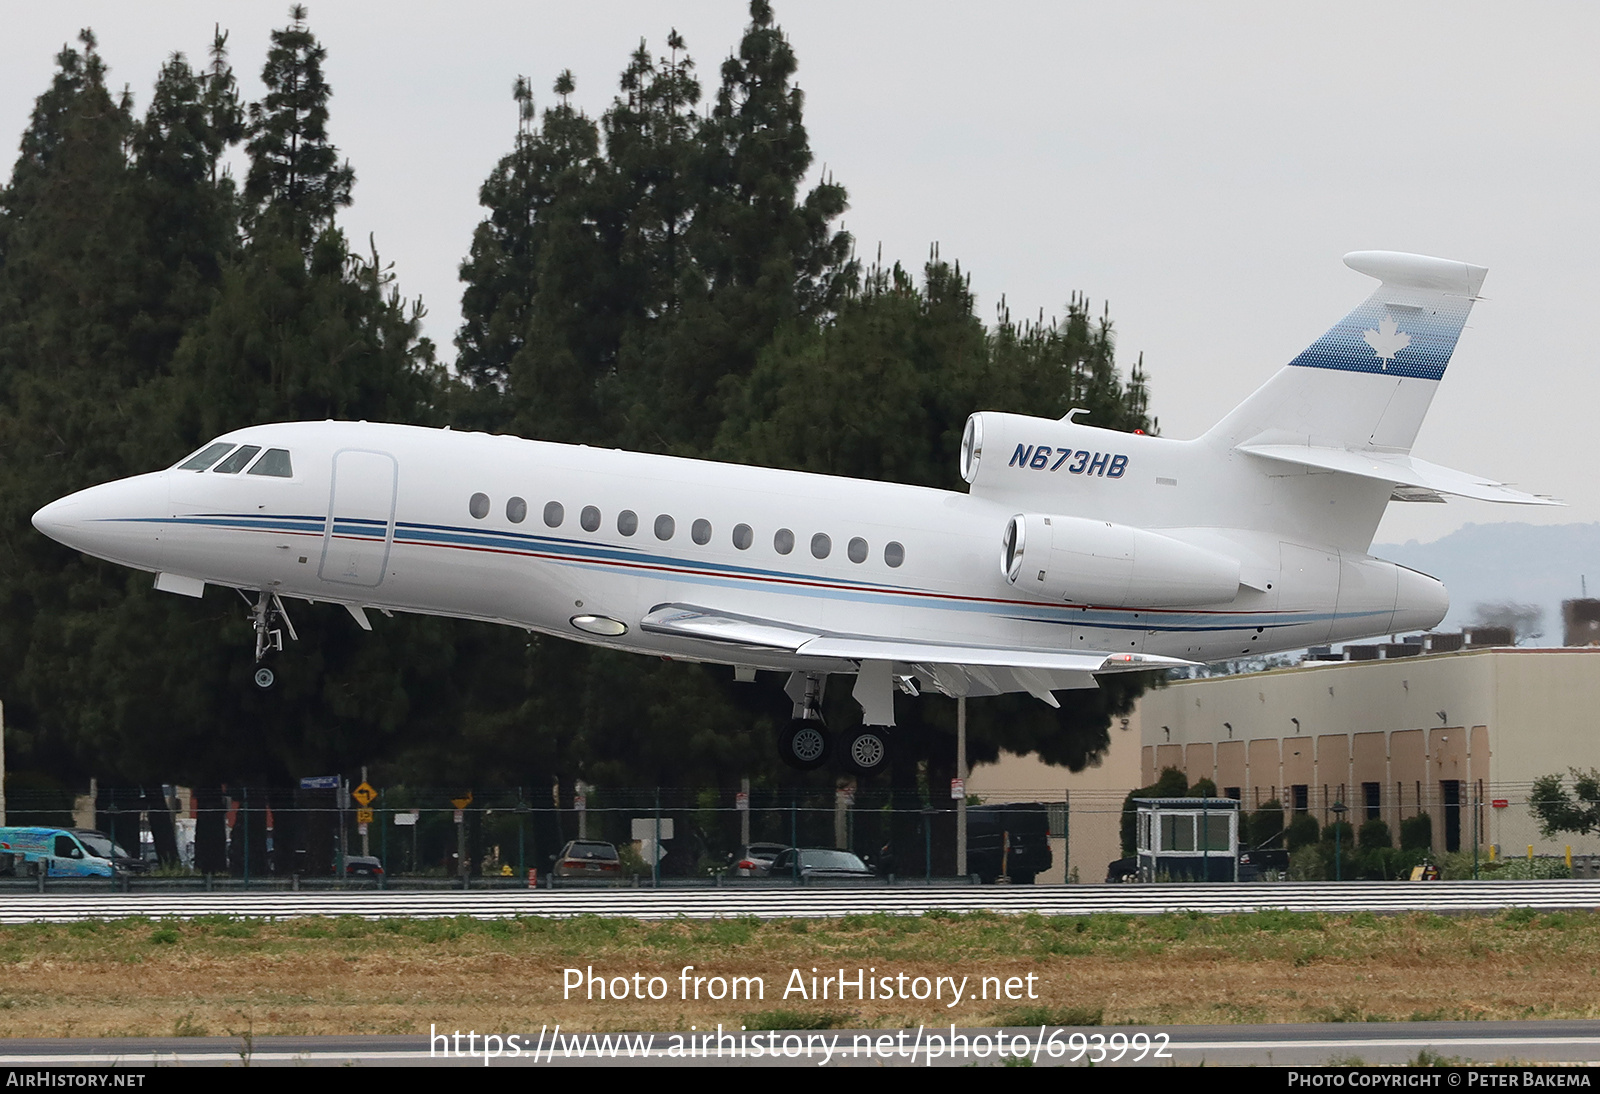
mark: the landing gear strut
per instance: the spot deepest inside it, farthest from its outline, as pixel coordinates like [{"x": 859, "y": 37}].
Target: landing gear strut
[
  {"x": 265, "y": 615},
  {"x": 805, "y": 744}
]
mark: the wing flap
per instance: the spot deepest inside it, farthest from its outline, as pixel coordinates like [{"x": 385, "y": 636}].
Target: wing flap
[
  {"x": 970, "y": 669},
  {"x": 1398, "y": 469}
]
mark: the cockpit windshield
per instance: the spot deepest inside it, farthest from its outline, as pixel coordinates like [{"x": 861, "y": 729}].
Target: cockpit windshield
[
  {"x": 274, "y": 463},
  {"x": 204, "y": 458},
  {"x": 235, "y": 463}
]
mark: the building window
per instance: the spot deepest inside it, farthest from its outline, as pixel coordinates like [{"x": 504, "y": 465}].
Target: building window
[
  {"x": 1301, "y": 796},
  {"x": 1370, "y": 798}
]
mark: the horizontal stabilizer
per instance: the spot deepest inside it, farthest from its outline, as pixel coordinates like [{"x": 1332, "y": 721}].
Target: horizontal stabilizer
[
  {"x": 989, "y": 666},
  {"x": 1398, "y": 469}
]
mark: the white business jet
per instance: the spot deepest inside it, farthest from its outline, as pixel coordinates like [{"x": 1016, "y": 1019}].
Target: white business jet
[{"x": 1075, "y": 552}]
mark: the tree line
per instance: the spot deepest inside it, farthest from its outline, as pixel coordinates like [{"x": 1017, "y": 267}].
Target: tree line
[{"x": 661, "y": 277}]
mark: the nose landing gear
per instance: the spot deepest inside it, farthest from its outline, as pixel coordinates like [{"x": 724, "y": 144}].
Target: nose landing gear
[{"x": 265, "y": 615}]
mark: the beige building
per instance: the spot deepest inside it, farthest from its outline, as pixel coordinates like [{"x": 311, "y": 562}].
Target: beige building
[{"x": 1460, "y": 736}]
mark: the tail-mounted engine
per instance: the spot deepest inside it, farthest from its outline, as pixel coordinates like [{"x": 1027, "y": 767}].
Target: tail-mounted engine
[{"x": 1112, "y": 565}]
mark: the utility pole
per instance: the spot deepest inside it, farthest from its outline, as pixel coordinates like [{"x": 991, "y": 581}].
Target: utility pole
[
  {"x": 2, "y": 763},
  {"x": 961, "y": 773}
]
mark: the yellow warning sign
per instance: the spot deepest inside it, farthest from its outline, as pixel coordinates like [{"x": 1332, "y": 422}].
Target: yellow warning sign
[
  {"x": 462, "y": 803},
  {"x": 363, "y": 816},
  {"x": 364, "y": 794}
]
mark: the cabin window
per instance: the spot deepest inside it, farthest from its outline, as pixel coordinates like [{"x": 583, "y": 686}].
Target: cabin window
[
  {"x": 857, "y": 550},
  {"x": 274, "y": 462},
  {"x": 235, "y": 463},
  {"x": 517, "y": 510},
  {"x": 701, "y": 531},
  {"x": 665, "y": 526},
  {"x": 478, "y": 506},
  {"x": 589, "y": 518},
  {"x": 204, "y": 458},
  {"x": 743, "y": 537},
  {"x": 821, "y": 545},
  {"x": 554, "y": 514},
  {"x": 893, "y": 554},
  {"x": 627, "y": 522},
  {"x": 783, "y": 541}
]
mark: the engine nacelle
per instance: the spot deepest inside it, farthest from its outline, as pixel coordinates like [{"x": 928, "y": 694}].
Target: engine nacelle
[{"x": 1112, "y": 565}]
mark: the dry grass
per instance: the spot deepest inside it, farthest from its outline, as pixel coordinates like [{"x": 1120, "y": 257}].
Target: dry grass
[{"x": 220, "y": 976}]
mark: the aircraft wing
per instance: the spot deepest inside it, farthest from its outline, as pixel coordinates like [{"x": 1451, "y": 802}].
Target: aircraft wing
[
  {"x": 1398, "y": 469},
  {"x": 949, "y": 668}
]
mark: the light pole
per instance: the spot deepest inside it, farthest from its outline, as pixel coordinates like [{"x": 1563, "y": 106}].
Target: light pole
[{"x": 1338, "y": 835}]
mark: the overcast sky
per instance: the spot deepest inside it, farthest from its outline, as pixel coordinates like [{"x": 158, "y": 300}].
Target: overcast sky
[{"x": 1201, "y": 168}]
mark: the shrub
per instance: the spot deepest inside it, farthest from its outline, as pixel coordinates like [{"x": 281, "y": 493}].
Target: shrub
[
  {"x": 1374, "y": 834},
  {"x": 1302, "y": 831},
  {"x": 1264, "y": 827},
  {"x": 1416, "y": 833}
]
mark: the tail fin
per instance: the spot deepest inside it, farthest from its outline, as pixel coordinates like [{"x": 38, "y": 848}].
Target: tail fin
[{"x": 1367, "y": 382}]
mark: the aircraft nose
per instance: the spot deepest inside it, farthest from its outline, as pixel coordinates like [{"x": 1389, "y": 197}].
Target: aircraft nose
[
  {"x": 118, "y": 521},
  {"x": 55, "y": 519}
]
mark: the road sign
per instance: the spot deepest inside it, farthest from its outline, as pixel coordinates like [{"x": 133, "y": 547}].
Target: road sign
[
  {"x": 1499, "y": 803},
  {"x": 363, "y": 816},
  {"x": 364, "y": 794},
  {"x": 320, "y": 782},
  {"x": 958, "y": 789},
  {"x": 645, "y": 828},
  {"x": 407, "y": 818},
  {"x": 741, "y": 802},
  {"x": 462, "y": 803}
]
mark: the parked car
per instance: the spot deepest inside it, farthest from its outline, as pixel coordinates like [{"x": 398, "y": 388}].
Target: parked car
[
  {"x": 68, "y": 852},
  {"x": 1122, "y": 869},
  {"x": 1254, "y": 864},
  {"x": 588, "y": 858},
  {"x": 756, "y": 860},
  {"x": 362, "y": 866},
  {"x": 1011, "y": 840},
  {"x": 818, "y": 862}
]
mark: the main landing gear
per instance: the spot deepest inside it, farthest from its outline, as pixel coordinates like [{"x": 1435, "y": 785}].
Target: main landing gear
[
  {"x": 806, "y": 743},
  {"x": 265, "y": 616}
]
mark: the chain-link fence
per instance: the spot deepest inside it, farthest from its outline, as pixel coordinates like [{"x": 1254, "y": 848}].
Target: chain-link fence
[{"x": 514, "y": 837}]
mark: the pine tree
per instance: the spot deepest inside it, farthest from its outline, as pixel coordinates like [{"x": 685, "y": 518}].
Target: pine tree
[{"x": 295, "y": 172}]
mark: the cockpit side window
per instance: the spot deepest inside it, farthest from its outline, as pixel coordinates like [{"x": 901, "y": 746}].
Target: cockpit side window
[
  {"x": 235, "y": 463},
  {"x": 274, "y": 462},
  {"x": 204, "y": 458}
]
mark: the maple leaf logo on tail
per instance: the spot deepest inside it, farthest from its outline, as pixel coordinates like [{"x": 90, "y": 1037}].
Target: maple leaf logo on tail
[{"x": 1387, "y": 340}]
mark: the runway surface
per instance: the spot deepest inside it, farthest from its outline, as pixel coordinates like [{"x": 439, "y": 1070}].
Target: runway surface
[
  {"x": 815, "y": 901},
  {"x": 1398, "y": 1043}
]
